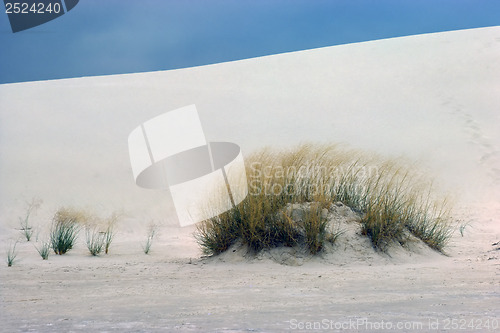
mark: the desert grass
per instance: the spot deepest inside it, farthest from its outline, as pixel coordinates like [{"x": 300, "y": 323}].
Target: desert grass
[
  {"x": 217, "y": 234},
  {"x": 66, "y": 225},
  {"x": 393, "y": 198},
  {"x": 109, "y": 233},
  {"x": 44, "y": 250},
  {"x": 462, "y": 227},
  {"x": 315, "y": 229},
  {"x": 26, "y": 227},
  {"x": 95, "y": 240},
  {"x": 149, "y": 238},
  {"x": 11, "y": 254},
  {"x": 99, "y": 232}
]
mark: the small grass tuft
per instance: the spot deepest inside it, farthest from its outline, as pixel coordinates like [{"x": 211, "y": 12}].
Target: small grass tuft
[
  {"x": 95, "y": 240},
  {"x": 149, "y": 240},
  {"x": 66, "y": 225},
  {"x": 11, "y": 254},
  {"x": 44, "y": 250},
  {"x": 26, "y": 228},
  {"x": 462, "y": 227},
  {"x": 109, "y": 234}
]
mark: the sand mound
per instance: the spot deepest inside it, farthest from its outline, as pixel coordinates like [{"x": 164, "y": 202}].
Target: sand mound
[{"x": 350, "y": 247}]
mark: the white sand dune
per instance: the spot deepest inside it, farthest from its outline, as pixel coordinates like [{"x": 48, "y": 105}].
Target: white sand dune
[{"x": 433, "y": 99}]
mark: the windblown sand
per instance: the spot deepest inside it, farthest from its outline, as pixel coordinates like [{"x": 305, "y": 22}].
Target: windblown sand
[{"x": 432, "y": 99}]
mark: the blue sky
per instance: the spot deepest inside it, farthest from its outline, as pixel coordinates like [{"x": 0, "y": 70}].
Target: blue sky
[{"x": 100, "y": 37}]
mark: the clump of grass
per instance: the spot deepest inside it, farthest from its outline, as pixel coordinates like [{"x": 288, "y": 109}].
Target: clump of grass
[
  {"x": 462, "y": 227},
  {"x": 216, "y": 235},
  {"x": 26, "y": 228},
  {"x": 265, "y": 218},
  {"x": 149, "y": 240},
  {"x": 44, "y": 250},
  {"x": 383, "y": 224},
  {"x": 11, "y": 254},
  {"x": 315, "y": 229},
  {"x": 109, "y": 233},
  {"x": 433, "y": 227},
  {"x": 95, "y": 240},
  {"x": 66, "y": 225},
  {"x": 393, "y": 200},
  {"x": 99, "y": 233}
]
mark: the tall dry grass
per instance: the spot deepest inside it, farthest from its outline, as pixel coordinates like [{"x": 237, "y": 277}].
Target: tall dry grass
[{"x": 393, "y": 199}]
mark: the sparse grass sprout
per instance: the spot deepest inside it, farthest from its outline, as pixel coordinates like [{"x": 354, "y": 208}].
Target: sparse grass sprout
[
  {"x": 11, "y": 254},
  {"x": 26, "y": 227},
  {"x": 149, "y": 240},
  {"x": 44, "y": 250}
]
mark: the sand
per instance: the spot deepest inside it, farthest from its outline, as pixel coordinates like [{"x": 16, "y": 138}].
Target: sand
[
  {"x": 172, "y": 288},
  {"x": 432, "y": 99}
]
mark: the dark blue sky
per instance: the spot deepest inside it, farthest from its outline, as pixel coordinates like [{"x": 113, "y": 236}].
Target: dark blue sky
[{"x": 101, "y": 37}]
